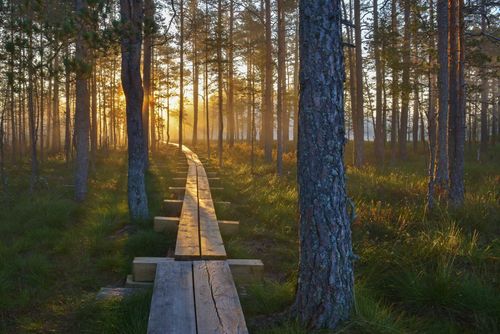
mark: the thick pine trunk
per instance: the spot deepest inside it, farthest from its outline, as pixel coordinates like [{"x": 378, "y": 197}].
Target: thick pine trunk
[
  {"x": 441, "y": 171},
  {"x": 132, "y": 17},
  {"x": 456, "y": 117},
  {"x": 82, "y": 110},
  {"x": 325, "y": 295}
]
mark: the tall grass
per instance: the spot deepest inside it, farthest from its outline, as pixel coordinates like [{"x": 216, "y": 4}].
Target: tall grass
[{"x": 419, "y": 271}]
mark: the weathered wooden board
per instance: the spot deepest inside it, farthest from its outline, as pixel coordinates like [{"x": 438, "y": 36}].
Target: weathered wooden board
[
  {"x": 188, "y": 240},
  {"x": 218, "y": 308},
  {"x": 212, "y": 246},
  {"x": 172, "y": 305}
]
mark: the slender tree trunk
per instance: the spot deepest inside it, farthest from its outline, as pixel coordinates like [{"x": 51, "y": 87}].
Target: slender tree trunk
[
  {"x": 67, "y": 128},
  {"x": 456, "y": 140},
  {"x": 494, "y": 120},
  {"x": 132, "y": 17},
  {"x": 196, "y": 73},
  {"x": 146, "y": 69},
  {"x": 268, "y": 94},
  {"x": 484, "y": 90},
  {"x": 281, "y": 85},
  {"x": 379, "y": 142},
  {"x": 56, "y": 121},
  {"x": 93, "y": 126},
  {"x": 181, "y": 75},
  {"x": 441, "y": 171},
  {"x": 82, "y": 111},
  {"x": 325, "y": 292},
  {"x": 406, "y": 88},
  {"x": 205, "y": 88},
  {"x": 230, "y": 97},
  {"x": 394, "y": 86},
  {"x": 219, "y": 79},
  {"x": 358, "y": 116},
  {"x": 152, "y": 104},
  {"x": 416, "y": 112}
]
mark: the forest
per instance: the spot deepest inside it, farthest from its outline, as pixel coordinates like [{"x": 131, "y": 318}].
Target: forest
[{"x": 334, "y": 165}]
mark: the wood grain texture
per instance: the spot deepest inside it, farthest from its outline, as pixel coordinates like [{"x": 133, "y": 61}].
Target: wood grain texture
[
  {"x": 172, "y": 305},
  {"x": 218, "y": 308},
  {"x": 212, "y": 246},
  {"x": 188, "y": 242}
]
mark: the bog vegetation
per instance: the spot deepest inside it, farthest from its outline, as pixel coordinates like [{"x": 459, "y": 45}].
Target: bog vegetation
[{"x": 92, "y": 92}]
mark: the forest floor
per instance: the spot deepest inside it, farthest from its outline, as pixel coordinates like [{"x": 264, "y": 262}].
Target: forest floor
[{"x": 418, "y": 272}]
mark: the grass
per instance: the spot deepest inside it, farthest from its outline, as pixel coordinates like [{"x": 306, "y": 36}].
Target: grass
[
  {"x": 419, "y": 271},
  {"x": 55, "y": 254}
]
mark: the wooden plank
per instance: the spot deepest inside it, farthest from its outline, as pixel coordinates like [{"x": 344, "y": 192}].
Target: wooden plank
[
  {"x": 212, "y": 246},
  {"x": 218, "y": 308},
  {"x": 188, "y": 242},
  {"x": 172, "y": 304}
]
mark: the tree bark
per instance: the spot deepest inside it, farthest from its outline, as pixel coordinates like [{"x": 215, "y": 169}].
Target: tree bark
[
  {"x": 456, "y": 140},
  {"x": 379, "y": 142},
  {"x": 281, "y": 85},
  {"x": 230, "y": 61},
  {"x": 325, "y": 295},
  {"x": 146, "y": 69},
  {"x": 268, "y": 94},
  {"x": 132, "y": 19},
  {"x": 394, "y": 85},
  {"x": 219, "y": 80},
  {"x": 358, "y": 115},
  {"x": 406, "y": 88},
  {"x": 441, "y": 171},
  {"x": 181, "y": 74},
  {"x": 82, "y": 110}
]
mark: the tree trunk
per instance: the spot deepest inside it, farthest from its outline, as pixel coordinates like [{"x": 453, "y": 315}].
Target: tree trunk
[
  {"x": 219, "y": 79},
  {"x": 67, "y": 128},
  {"x": 82, "y": 111},
  {"x": 379, "y": 142},
  {"x": 132, "y": 17},
  {"x": 56, "y": 122},
  {"x": 93, "y": 127},
  {"x": 181, "y": 75},
  {"x": 230, "y": 61},
  {"x": 325, "y": 292},
  {"x": 358, "y": 115},
  {"x": 146, "y": 69},
  {"x": 281, "y": 85},
  {"x": 441, "y": 171},
  {"x": 494, "y": 120},
  {"x": 268, "y": 94},
  {"x": 394, "y": 85},
  {"x": 406, "y": 88},
  {"x": 456, "y": 140}
]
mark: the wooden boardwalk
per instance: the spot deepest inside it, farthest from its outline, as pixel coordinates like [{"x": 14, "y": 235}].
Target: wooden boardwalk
[{"x": 195, "y": 292}]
